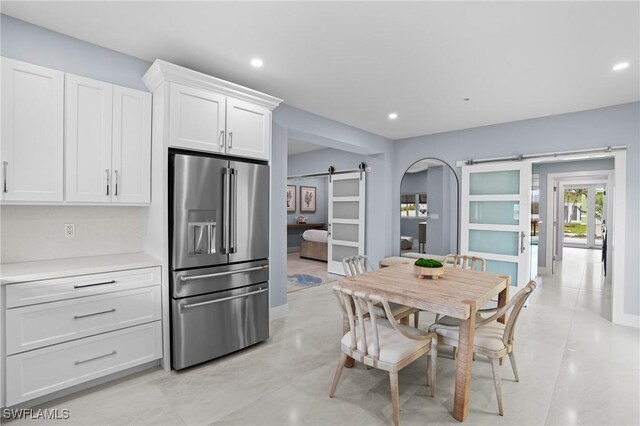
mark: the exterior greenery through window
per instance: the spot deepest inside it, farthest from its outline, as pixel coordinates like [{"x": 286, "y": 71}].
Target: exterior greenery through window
[{"x": 408, "y": 203}]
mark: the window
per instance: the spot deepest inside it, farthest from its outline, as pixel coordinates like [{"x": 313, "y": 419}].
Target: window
[{"x": 408, "y": 203}]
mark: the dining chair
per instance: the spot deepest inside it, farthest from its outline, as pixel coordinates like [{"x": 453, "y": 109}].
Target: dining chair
[
  {"x": 492, "y": 338},
  {"x": 466, "y": 262},
  {"x": 357, "y": 265},
  {"x": 382, "y": 343}
]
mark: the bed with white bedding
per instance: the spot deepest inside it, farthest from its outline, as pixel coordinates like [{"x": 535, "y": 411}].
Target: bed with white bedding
[{"x": 313, "y": 244}]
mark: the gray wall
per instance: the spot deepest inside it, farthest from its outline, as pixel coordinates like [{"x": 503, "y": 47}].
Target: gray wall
[
  {"x": 561, "y": 167},
  {"x": 320, "y": 216},
  {"x": 30, "y": 43},
  {"x": 377, "y": 151},
  {"x": 616, "y": 125}
]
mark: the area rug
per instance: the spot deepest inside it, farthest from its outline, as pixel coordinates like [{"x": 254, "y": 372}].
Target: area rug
[{"x": 297, "y": 282}]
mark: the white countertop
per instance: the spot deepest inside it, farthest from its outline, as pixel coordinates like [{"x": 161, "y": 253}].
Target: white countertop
[{"x": 11, "y": 273}]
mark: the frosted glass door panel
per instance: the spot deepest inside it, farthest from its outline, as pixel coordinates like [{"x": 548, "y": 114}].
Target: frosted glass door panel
[
  {"x": 504, "y": 268},
  {"x": 504, "y": 182},
  {"x": 346, "y": 210},
  {"x": 496, "y": 242},
  {"x": 494, "y": 212},
  {"x": 346, "y": 188},
  {"x": 340, "y": 252},
  {"x": 345, "y": 232}
]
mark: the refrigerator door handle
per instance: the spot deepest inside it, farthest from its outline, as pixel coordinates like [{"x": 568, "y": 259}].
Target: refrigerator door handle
[
  {"x": 233, "y": 211},
  {"x": 225, "y": 210}
]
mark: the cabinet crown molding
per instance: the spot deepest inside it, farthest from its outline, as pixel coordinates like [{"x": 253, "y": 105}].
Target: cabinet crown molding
[{"x": 165, "y": 71}]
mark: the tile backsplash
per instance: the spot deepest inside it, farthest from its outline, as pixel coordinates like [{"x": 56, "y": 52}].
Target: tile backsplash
[{"x": 37, "y": 232}]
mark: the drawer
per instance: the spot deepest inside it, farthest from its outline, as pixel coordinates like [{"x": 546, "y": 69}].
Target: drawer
[
  {"x": 33, "y": 292},
  {"x": 35, "y": 326},
  {"x": 40, "y": 372}
]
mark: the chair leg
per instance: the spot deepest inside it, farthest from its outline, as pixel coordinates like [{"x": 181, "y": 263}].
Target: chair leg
[
  {"x": 454, "y": 352},
  {"x": 431, "y": 367},
  {"x": 395, "y": 397},
  {"x": 495, "y": 366},
  {"x": 512, "y": 358},
  {"x": 336, "y": 377},
  {"x": 416, "y": 319}
]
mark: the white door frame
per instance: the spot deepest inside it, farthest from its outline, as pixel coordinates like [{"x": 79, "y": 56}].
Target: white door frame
[{"x": 554, "y": 179}]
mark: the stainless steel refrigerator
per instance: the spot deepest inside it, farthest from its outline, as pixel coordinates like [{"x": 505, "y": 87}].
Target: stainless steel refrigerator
[{"x": 219, "y": 249}]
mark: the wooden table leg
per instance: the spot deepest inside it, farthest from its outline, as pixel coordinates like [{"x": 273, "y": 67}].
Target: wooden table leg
[
  {"x": 463, "y": 366},
  {"x": 503, "y": 297}
]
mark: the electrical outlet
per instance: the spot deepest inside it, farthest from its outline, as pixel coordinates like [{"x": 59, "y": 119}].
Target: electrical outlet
[{"x": 69, "y": 230}]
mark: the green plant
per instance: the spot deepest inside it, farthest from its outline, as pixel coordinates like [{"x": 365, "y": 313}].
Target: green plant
[{"x": 428, "y": 263}]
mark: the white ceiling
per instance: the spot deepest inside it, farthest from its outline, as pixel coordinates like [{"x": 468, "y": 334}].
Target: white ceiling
[{"x": 357, "y": 61}]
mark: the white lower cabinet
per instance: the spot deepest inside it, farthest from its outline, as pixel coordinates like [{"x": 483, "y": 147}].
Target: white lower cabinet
[
  {"x": 36, "y": 373},
  {"x": 65, "y": 331}
]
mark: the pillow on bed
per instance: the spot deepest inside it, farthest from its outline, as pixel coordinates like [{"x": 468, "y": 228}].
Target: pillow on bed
[{"x": 317, "y": 235}]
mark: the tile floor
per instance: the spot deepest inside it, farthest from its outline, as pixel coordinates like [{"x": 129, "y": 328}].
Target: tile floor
[{"x": 575, "y": 367}]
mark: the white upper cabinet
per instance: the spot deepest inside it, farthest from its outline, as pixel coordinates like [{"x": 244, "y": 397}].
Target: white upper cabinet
[
  {"x": 207, "y": 114},
  {"x": 31, "y": 152},
  {"x": 88, "y": 123},
  {"x": 248, "y": 129},
  {"x": 107, "y": 143},
  {"x": 197, "y": 119},
  {"x": 131, "y": 149}
]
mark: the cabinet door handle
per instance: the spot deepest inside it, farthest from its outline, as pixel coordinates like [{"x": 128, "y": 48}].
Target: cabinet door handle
[
  {"x": 221, "y": 138},
  {"x": 230, "y": 139},
  {"x": 116, "y": 183},
  {"x": 94, "y": 314},
  {"x": 94, "y": 284},
  {"x": 4, "y": 176},
  {"x": 96, "y": 357},
  {"x": 107, "y": 173}
]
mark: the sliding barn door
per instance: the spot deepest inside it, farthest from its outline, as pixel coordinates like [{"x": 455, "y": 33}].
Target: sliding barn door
[
  {"x": 346, "y": 219},
  {"x": 496, "y": 217}
]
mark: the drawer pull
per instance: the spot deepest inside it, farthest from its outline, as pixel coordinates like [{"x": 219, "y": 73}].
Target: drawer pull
[
  {"x": 97, "y": 357},
  {"x": 224, "y": 299},
  {"x": 95, "y": 313},
  {"x": 93, "y": 285}
]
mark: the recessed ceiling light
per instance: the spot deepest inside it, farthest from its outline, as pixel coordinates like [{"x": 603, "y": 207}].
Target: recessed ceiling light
[
  {"x": 393, "y": 116},
  {"x": 257, "y": 63},
  {"x": 620, "y": 66},
  {"x": 466, "y": 99}
]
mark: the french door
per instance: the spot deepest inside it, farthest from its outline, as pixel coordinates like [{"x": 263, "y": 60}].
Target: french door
[
  {"x": 345, "y": 236},
  {"x": 496, "y": 217}
]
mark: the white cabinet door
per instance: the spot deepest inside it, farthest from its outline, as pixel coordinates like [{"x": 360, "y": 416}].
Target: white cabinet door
[
  {"x": 88, "y": 122},
  {"x": 197, "y": 119},
  {"x": 248, "y": 129},
  {"x": 131, "y": 150},
  {"x": 32, "y": 140}
]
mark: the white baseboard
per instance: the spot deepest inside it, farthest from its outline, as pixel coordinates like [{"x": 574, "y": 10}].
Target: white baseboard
[
  {"x": 279, "y": 312},
  {"x": 628, "y": 320}
]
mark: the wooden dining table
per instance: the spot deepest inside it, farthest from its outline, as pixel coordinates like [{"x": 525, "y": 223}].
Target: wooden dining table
[{"x": 457, "y": 293}]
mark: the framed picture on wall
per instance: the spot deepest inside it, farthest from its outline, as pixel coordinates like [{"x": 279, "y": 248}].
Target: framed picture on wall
[
  {"x": 291, "y": 198},
  {"x": 308, "y": 199}
]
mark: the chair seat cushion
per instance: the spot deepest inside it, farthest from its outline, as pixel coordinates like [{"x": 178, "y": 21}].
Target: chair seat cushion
[
  {"x": 394, "y": 347},
  {"x": 488, "y": 336}
]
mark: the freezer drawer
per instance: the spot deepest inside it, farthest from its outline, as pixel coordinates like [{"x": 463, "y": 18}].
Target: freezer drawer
[
  {"x": 209, "y": 326},
  {"x": 194, "y": 282}
]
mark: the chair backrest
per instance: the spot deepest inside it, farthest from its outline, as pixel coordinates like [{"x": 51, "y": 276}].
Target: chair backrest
[
  {"x": 514, "y": 305},
  {"x": 356, "y": 305},
  {"x": 466, "y": 262},
  {"x": 354, "y": 265}
]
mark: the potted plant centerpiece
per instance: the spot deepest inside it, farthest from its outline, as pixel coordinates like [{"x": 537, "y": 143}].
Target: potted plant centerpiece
[{"x": 428, "y": 268}]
